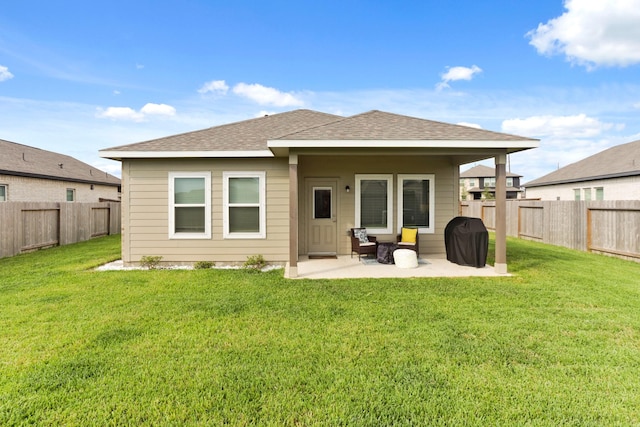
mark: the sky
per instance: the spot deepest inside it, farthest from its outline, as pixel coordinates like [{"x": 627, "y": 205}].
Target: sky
[{"x": 80, "y": 76}]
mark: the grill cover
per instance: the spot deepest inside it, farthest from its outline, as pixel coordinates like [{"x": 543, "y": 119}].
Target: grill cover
[{"x": 467, "y": 241}]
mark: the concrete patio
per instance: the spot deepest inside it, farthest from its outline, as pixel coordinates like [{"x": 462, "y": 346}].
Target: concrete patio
[{"x": 345, "y": 267}]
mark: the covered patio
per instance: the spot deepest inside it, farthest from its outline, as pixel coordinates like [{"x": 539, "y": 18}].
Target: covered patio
[{"x": 346, "y": 267}]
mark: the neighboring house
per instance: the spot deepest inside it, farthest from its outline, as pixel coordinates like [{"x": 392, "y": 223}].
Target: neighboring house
[
  {"x": 294, "y": 183},
  {"x": 29, "y": 174},
  {"x": 480, "y": 181},
  {"x": 613, "y": 174}
]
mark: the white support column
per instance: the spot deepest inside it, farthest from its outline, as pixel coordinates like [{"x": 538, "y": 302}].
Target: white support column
[
  {"x": 293, "y": 216},
  {"x": 500, "y": 265}
]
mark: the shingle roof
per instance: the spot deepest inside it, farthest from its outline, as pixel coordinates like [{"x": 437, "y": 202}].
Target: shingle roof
[
  {"x": 254, "y": 134},
  {"x": 22, "y": 160},
  {"x": 239, "y": 136},
  {"x": 380, "y": 125},
  {"x": 482, "y": 171},
  {"x": 619, "y": 161}
]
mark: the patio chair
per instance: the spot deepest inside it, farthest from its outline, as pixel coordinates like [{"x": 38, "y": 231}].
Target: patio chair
[
  {"x": 408, "y": 239},
  {"x": 361, "y": 243}
]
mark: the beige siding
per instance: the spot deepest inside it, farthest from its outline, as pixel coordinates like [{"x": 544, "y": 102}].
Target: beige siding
[
  {"x": 345, "y": 169},
  {"x": 25, "y": 189},
  {"x": 146, "y": 203}
]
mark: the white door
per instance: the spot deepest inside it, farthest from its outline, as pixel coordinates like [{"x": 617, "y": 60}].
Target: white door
[{"x": 321, "y": 211}]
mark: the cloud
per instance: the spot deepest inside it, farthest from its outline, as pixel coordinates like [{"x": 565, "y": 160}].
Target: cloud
[
  {"x": 215, "y": 86},
  {"x": 5, "y": 74},
  {"x": 457, "y": 73},
  {"x": 129, "y": 114},
  {"x": 592, "y": 33},
  {"x": 471, "y": 125},
  {"x": 267, "y": 95},
  {"x": 578, "y": 126}
]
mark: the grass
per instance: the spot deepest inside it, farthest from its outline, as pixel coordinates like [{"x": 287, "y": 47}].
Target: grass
[{"x": 556, "y": 344}]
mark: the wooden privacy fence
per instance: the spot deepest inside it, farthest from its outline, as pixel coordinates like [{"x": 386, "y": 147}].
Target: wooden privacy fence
[
  {"x": 610, "y": 227},
  {"x": 27, "y": 226}
]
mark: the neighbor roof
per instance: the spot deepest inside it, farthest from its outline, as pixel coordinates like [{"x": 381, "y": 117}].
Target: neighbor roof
[
  {"x": 262, "y": 137},
  {"x": 619, "y": 161},
  {"x": 22, "y": 160},
  {"x": 482, "y": 171}
]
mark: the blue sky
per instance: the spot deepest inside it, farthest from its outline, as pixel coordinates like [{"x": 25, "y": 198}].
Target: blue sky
[{"x": 78, "y": 76}]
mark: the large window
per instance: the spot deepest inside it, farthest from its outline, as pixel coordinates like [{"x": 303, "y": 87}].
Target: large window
[
  {"x": 244, "y": 211},
  {"x": 374, "y": 203},
  {"x": 190, "y": 205},
  {"x": 416, "y": 198},
  {"x": 3, "y": 193},
  {"x": 490, "y": 182}
]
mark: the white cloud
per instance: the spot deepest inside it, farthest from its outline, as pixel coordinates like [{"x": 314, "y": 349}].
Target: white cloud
[
  {"x": 5, "y": 74},
  {"x": 578, "y": 126},
  {"x": 457, "y": 73},
  {"x": 266, "y": 95},
  {"x": 158, "y": 110},
  {"x": 139, "y": 66},
  {"x": 592, "y": 33},
  {"x": 129, "y": 114},
  {"x": 214, "y": 86}
]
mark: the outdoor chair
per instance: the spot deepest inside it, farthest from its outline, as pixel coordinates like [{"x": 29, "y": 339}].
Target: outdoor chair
[
  {"x": 408, "y": 239},
  {"x": 361, "y": 243}
]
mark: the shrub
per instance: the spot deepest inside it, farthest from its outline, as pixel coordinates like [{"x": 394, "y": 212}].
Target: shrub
[
  {"x": 203, "y": 265},
  {"x": 255, "y": 262},
  {"x": 150, "y": 261}
]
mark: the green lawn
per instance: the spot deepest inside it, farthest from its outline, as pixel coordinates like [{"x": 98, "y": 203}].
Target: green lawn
[{"x": 556, "y": 344}]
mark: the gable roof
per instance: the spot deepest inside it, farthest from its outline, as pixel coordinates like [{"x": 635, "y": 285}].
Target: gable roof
[
  {"x": 274, "y": 135},
  {"x": 615, "y": 162},
  {"x": 233, "y": 138},
  {"x": 482, "y": 171},
  {"x": 22, "y": 160}
]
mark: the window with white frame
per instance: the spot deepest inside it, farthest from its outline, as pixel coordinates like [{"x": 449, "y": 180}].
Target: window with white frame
[
  {"x": 510, "y": 182},
  {"x": 490, "y": 182},
  {"x": 71, "y": 194},
  {"x": 244, "y": 208},
  {"x": 576, "y": 194},
  {"x": 416, "y": 199},
  {"x": 599, "y": 193},
  {"x": 190, "y": 205},
  {"x": 374, "y": 202},
  {"x": 3, "y": 192}
]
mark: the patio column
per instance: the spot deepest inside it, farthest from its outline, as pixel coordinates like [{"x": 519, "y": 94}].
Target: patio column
[
  {"x": 500, "y": 265},
  {"x": 293, "y": 215}
]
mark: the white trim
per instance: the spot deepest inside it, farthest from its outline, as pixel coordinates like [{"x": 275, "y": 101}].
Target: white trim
[
  {"x": 432, "y": 200},
  {"x": 389, "y": 179},
  {"x": 435, "y": 143},
  {"x": 115, "y": 154},
  {"x": 207, "y": 205},
  {"x": 261, "y": 175}
]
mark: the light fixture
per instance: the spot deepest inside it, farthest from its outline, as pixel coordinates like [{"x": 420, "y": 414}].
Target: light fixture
[{"x": 347, "y": 188}]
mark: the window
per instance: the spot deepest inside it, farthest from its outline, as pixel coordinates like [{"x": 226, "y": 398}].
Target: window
[
  {"x": 322, "y": 203},
  {"x": 490, "y": 182},
  {"x": 3, "y": 193},
  {"x": 472, "y": 183},
  {"x": 576, "y": 194},
  {"x": 190, "y": 205},
  {"x": 416, "y": 198},
  {"x": 587, "y": 194},
  {"x": 510, "y": 182},
  {"x": 374, "y": 203},
  {"x": 244, "y": 211},
  {"x": 71, "y": 194},
  {"x": 599, "y": 193}
]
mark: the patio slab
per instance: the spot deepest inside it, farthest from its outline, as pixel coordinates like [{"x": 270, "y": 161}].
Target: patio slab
[{"x": 345, "y": 267}]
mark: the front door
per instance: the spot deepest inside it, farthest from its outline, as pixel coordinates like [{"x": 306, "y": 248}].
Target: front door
[{"x": 321, "y": 211}]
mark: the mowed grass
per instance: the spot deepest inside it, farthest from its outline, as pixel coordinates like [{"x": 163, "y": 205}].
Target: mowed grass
[{"x": 556, "y": 344}]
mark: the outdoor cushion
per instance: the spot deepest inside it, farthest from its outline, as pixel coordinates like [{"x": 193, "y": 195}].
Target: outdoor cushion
[
  {"x": 405, "y": 258},
  {"x": 361, "y": 234},
  {"x": 409, "y": 235}
]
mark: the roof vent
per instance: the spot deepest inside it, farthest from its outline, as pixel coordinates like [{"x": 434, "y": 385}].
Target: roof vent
[{"x": 61, "y": 165}]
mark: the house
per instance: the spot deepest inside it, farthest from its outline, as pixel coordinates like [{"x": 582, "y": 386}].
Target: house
[
  {"x": 481, "y": 180},
  {"x": 29, "y": 174},
  {"x": 612, "y": 174},
  {"x": 295, "y": 183}
]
